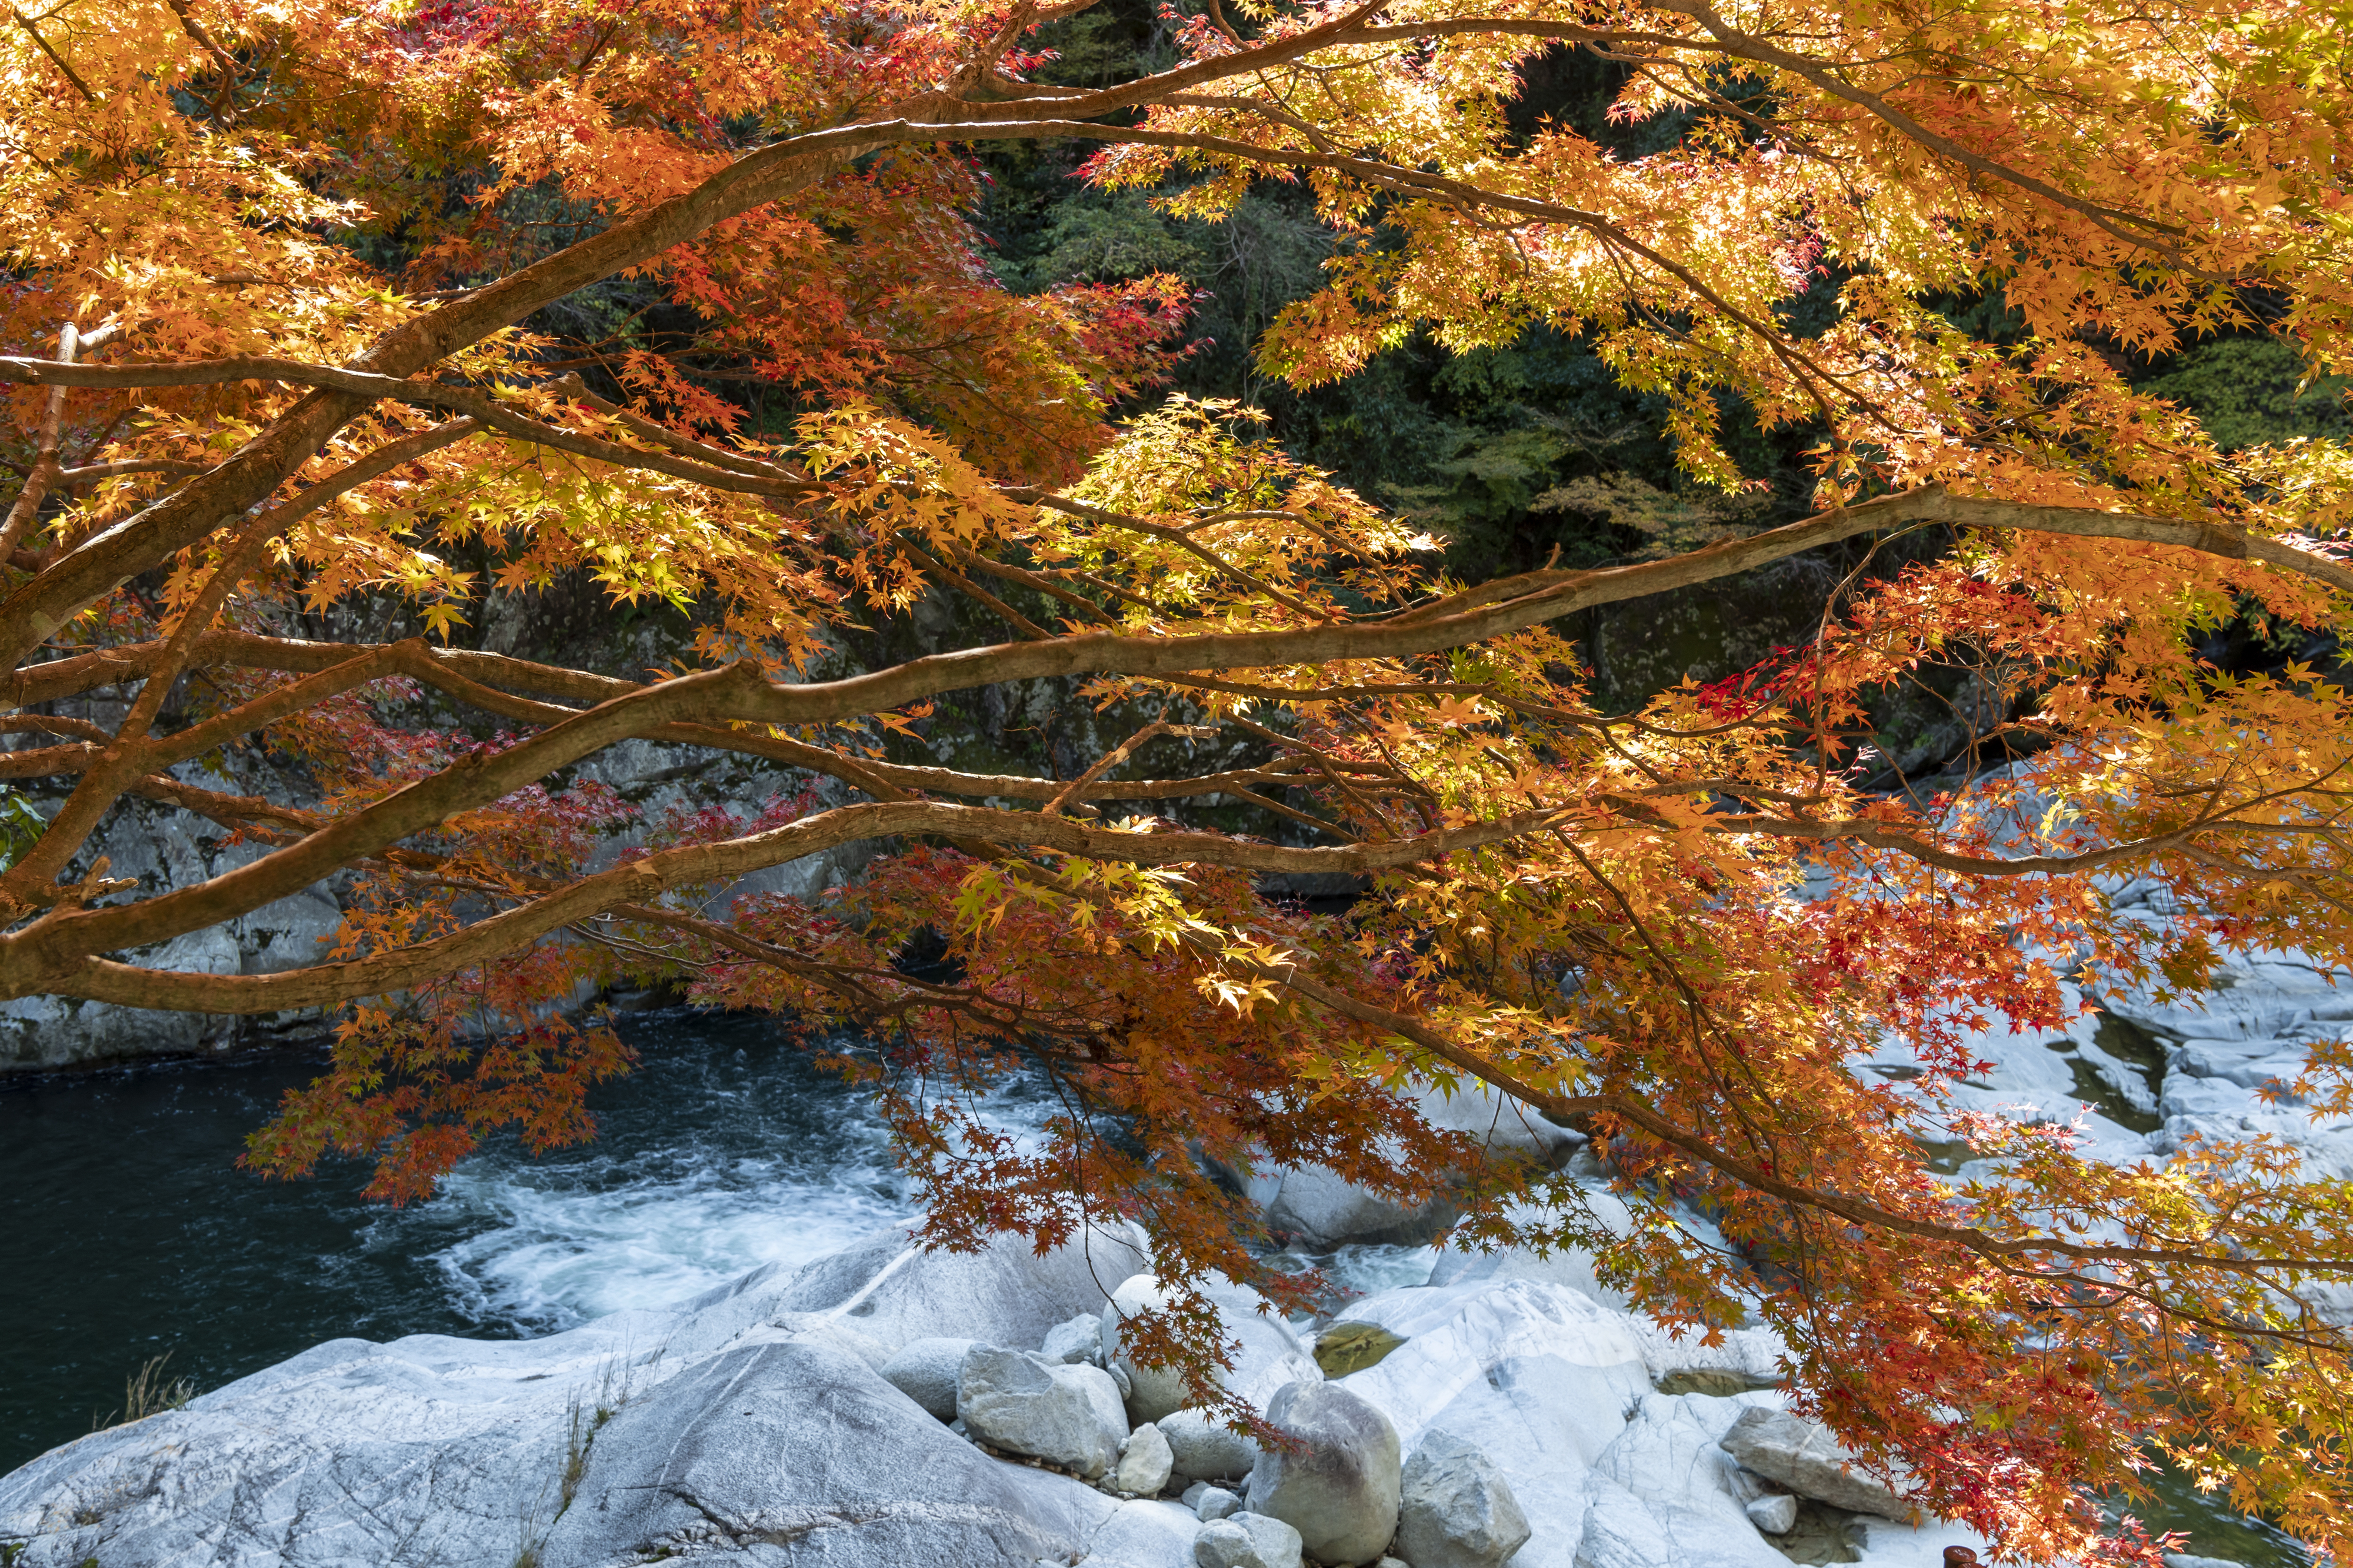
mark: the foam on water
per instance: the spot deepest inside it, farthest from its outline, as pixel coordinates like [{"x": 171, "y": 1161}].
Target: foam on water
[
  {"x": 710, "y": 1164},
  {"x": 552, "y": 1255},
  {"x": 715, "y": 1163}
]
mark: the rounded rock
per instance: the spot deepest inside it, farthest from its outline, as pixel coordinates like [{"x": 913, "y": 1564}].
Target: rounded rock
[
  {"x": 1202, "y": 1448},
  {"x": 1144, "y": 1463},
  {"x": 1340, "y": 1489},
  {"x": 1214, "y": 1503},
  {"x": 925, "y": 1372},
  {"x": 1247, "y": 1540}
]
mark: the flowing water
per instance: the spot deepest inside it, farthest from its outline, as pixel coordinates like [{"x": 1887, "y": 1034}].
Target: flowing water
[{"x": 127, "y": 1234}]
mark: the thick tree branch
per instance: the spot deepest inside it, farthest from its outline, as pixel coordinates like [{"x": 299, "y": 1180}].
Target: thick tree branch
[{"x": 99, "y": 979}]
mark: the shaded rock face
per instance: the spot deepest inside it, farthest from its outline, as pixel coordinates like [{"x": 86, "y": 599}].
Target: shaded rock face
[
  {"x": 925, "y": 1372},
  {"x": 166, "y": 849},
  {"x": 163, "y": 848},
  {"x": 1647, "y": 645},
  {"x": 1201, "y": 1448},
  {"x": 1456, "y": 1510},
  {"x": 1802, "y": 1456},
  {"x": 1024, "y": 1403},
  {"x": 1340, "y": 1488}
]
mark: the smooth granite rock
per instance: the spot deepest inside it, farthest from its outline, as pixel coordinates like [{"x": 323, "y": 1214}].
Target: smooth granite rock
[
  {"x": 808, "y": 1447},
  {"x": 892, "y": 1291},
  {"x": 1143, "y": 1534},
  {"x": 1538, "y": 1376},
  {"x": 1144, "y": 1463},
  {"x": 1802, "y": 1456},
  {"x": 1664, "y": 1495},
  {"x": 1455, "y": 1509},
  {"x": 1247, "y": 1540},
  {"x": 1774, "y": 1515},
  {"x": 1020, "y": 1401},
  {"x": 1340, "y": 1488},
  {"x": 1203, "y": 1449},
  {"x": 1216, "y": 1503},
  {"x": 926, "y": 1371}
]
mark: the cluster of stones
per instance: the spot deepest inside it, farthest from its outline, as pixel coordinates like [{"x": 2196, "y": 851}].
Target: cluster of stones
[{"x": 1335, "y": 1490}]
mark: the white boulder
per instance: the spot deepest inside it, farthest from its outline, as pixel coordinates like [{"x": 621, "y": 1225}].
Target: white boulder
[
  {"x": 1022, "y": 1403},
  {"x": 1247, "y": 1540},
  {"x": 926, "y": 1371},
  {"x": 1455, "y": 1509},
  {"x": 1143, "y": 1533},
  {"x": 1337, "y": 1481}
]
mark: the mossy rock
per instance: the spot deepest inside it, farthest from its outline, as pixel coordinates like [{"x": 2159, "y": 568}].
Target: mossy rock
[
  {"x": 1344, "y": 1348},
  {"x": 1716, "y": 1383}
]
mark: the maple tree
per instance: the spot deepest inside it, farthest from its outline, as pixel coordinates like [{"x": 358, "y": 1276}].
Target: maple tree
[{"x": 282, "y": 288}]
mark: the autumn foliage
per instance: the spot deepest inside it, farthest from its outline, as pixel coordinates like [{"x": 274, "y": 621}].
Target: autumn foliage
[{"x": 315, "y": 331}]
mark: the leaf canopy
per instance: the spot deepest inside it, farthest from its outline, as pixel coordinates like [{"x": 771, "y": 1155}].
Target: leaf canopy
[{"x": 332, "y": 321}]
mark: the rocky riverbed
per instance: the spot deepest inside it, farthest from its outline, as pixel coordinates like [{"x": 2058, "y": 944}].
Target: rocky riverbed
[{"x": 796, "y": 1417}]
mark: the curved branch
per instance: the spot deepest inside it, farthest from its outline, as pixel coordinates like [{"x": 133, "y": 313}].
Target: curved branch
[
  {"x": 739, "y": 693},
  {"x": 104, "y": 980},
  {"x": 740, "y": 474}
]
